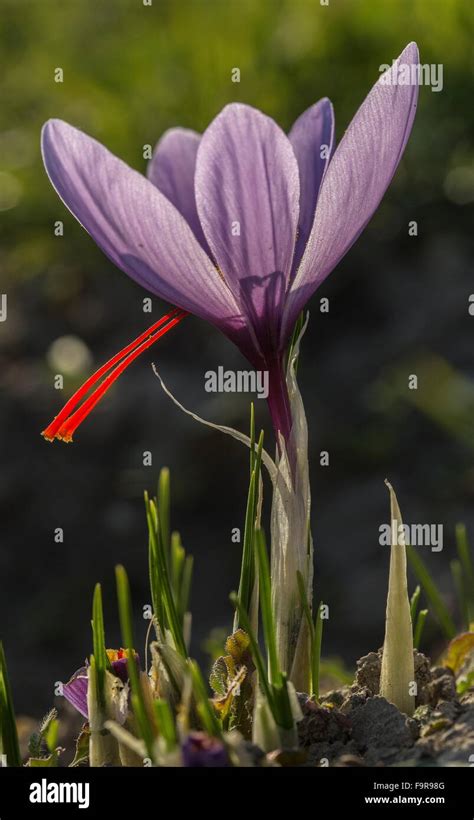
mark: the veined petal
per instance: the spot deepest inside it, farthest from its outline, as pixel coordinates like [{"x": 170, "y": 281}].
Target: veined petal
[
  {"x": 247, "y": 195},
  {"x": 75, "y": 691},
  {"x": 356, "y": 179},
  {"x": 134, "y": 224},
  {"x": 172, "y": 169},
  {"x": 311, "y": 136}
]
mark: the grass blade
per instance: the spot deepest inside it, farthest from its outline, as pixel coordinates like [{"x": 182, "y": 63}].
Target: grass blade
[
  {"x": 252, "y": 438},
  {"x": 266, "y": 607},
  {"x": 247, "y": 572},
  {"x": 98, "y": 641},
  {"x": 460, "y": 587},
  {"x": 206, "y": 710},
  {"x": 155, "y": 586},
  {"x": 126, "y": 624},
  {"x": 420, "y": 622},
  {"x": 161, "y": 583},
  {"x": 468, "y": 570},
  {"x": 414, "y": 603},
  {"x": 178, "y": 556},
  {"x": 316, "y": 652},
  {"x": 256, "y": 654},
  {"x": 9, "y": 745},
  {"x": 165, "y": 722},
  {"x": 432, "y": 593},
  {"x": 164, "y": 511},
  {"x": 309, "y": 620},
  {"x": 185, "y": 590}
]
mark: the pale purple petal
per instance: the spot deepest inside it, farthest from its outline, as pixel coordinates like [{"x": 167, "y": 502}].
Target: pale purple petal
[
  {"x": 135, "y": 225},
  {"x": 247, "y": 194},
  {"x": 312, "y": 138},
  {"x": 356, "y": 179},
  {"x": 75, "y": 691},
  {"x": 172, "y": 168}
]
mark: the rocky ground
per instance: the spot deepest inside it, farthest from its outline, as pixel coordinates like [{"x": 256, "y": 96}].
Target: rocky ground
[{"x": 354, "y": 726}]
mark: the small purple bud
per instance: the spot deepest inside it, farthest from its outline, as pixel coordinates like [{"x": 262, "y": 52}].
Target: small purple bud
[{"x": 202, "y": 751}]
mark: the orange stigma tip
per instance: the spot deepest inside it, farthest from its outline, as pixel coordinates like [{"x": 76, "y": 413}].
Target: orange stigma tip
[{"x": 68, "y": 420}]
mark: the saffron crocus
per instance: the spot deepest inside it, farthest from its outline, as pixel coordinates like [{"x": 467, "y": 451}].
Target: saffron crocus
[
  {"x": 238, "y": 226},
  {"x": 75, "y": 690}
]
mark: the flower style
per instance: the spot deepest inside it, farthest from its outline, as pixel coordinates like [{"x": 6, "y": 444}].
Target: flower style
[{"x": 238, "y": 226}]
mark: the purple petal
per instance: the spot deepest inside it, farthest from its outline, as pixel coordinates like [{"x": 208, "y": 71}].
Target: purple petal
[
  {"x": 247, "y": 194},
  {"x": 134, "y": 224},
  {"x": 201, "y": 751},
  {"x": 355, "y": 181},
  {"x": 75, "y": 691},
  {"x": 120, "y": 667},
  {"x": 311, "y": 135},
  {"x": 172, "y": 168}
]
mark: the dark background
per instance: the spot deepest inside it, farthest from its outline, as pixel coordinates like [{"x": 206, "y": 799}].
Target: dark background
[{"x": 398, "y": 305}]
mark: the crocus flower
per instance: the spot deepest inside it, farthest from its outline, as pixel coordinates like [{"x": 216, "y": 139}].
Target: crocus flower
[
  {"x": 202, "y": 751},
  {"x": 238, "y": 226},
  {"x": 75, "y": 690}
]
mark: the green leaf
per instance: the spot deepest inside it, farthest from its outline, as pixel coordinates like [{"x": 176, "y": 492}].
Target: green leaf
[
  {"x": 468, "y": 570},
  {"x": 432, "y": 593},
  {"x": 49, "y": 762},
  {"x": 185, "y": 591},
  {"x": 316, "y": 652},
  {"x": 156, "y": 600},
  {"x": 51, "y": 735},
  {"x": 414, "y": 603},
  {"x": 163, "y": 603},
  {"x": 294, "y": 338},
  {"x": 126, "y": 624},
  {"x": 203, "y": 704},
  {"x": 9, "y": 745},
  {"x": 98, "y": 638},
  {"x": 81, "y": 756},
  {"x": 223, "y": 703},
  {"x": 178, "y": 556},
  {"x": 218, "y": 677},
  {"x": 418, "y": 631},
  {"x": 165, "y": 721},
  {"x": 247, "y": 572},
  {"x": 459, "y": 582},
  {"x": 252, "y": 438},
  {"x": 230, "y": 680},
  {"x": 266, "y": 608},
  {"x": 164, "y": 510},
  {"x": 307, "y": 613},
  {"x": 237, "y": 646},
  {"x": 256, "y": 654}
]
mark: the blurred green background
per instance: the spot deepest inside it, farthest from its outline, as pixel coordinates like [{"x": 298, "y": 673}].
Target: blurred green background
[{"x": 398, "y": 305}]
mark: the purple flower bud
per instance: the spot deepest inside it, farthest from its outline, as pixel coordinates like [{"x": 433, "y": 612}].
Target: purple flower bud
[{"x": 202, "y": 751}]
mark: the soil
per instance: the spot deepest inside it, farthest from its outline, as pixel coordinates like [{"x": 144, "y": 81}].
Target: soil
[{"x": 354, "y": 726}]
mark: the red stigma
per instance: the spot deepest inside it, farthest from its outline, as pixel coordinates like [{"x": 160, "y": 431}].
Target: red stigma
[{"x": 68, "y": 420}]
